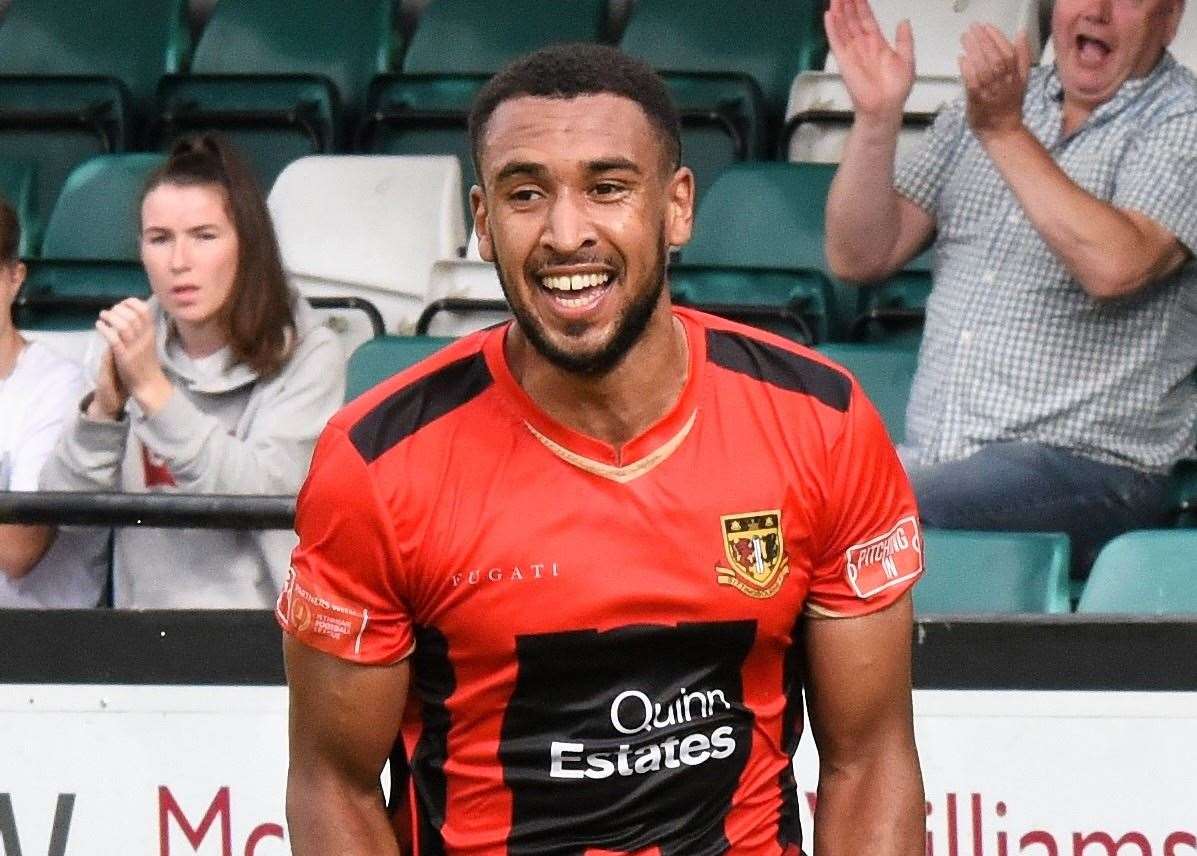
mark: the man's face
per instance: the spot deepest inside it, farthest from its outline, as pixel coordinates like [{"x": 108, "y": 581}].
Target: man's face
[
  {"x": 578, "y": 214},
  {"x": 1100, "y": 44}
]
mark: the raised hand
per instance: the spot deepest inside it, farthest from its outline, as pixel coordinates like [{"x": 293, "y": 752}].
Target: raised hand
[
  {"x": 110, "y": 395},
  {"x": 878, "y": 75},
  {"x": 995, "y": 73},
  {"x": 128, "y": 328}
]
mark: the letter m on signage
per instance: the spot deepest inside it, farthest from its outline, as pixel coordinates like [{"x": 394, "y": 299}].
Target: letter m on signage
[{"x": 168, "y": 808}]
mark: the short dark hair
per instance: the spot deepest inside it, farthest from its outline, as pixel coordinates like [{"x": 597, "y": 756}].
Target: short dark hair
[
  {"x": 258, "y": 317},
  {"x": 10, "y": 233},
  {"x": 571, "y": 70}
]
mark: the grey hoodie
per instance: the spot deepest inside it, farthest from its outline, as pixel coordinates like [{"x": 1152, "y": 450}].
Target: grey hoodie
[{"x": 232, "y": 434}]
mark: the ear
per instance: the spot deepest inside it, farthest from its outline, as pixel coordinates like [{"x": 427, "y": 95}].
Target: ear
[
  {"x": 486, "y": 247},
  {"x": 679, "y": 217}
]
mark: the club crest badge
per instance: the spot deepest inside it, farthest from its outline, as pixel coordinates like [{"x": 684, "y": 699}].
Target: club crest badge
[{"x": 755, "y": 551}]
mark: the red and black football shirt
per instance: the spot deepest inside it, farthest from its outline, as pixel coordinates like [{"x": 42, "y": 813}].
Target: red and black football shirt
[{"x": 604, "y": 645}]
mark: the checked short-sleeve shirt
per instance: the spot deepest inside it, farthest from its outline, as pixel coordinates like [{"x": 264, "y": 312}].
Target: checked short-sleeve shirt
[{"x": 1013, "y": 348}]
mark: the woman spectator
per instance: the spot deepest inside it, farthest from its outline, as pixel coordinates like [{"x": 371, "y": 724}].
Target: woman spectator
[
  {"x": 38, "y": 389},
  {"x": 219, "y": 384}
]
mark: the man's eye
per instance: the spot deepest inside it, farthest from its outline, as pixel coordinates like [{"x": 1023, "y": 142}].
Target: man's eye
[
  {"x": 606, "y": 188},
  {"x": 526, "y": 195}
]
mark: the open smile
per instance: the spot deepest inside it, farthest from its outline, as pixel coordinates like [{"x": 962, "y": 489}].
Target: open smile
[
  {"x": 1092, "y": 51},
  {"x": 573, "y": 294}
]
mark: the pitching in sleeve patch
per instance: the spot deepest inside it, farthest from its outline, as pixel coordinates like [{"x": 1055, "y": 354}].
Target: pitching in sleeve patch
[
  {"x": 887, "y": 560},
  {"x": 334, "y": 627}
]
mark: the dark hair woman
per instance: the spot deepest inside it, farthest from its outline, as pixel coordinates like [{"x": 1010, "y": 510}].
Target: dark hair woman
[{"x": 219, "y": 383}]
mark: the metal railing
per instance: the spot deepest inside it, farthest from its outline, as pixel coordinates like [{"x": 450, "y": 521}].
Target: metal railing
[{"x": 164, "y": 510}]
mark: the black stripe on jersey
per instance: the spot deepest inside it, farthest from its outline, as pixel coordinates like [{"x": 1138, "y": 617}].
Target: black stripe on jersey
[
  {"x": 789, "y": 825},
  {"x": 433, "y": 682},
  {"x": 409, "y": 409},
  {"x": 779, "y": 367}
]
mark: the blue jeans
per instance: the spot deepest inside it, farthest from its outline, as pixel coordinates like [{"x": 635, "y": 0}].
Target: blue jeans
[{"x": 1030, "y": 487}]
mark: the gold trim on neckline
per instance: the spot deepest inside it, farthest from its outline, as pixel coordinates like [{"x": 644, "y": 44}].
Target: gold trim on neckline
[{"x": 621, "y": 475}]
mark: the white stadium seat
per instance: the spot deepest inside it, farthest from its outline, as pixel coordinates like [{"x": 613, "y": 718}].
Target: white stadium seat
[
  {"x": 819, "y": 112},
  {"x": 368, "y": 226},
  {"x": 470, "y": 278}
]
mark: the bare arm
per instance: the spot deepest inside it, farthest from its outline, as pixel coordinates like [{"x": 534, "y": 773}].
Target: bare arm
[
  {"x": 344, "y": 719},
  {"x": 872, "y": 230},
  {"x": 22, "y": 547},
  {"x": 1110, "y": 252},
  {"x": 858, "y": 694}
]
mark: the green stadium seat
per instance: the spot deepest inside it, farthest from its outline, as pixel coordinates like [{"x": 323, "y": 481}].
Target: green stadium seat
[
  {"x": 377, "y": 359},
  {"x": 282, "y": 78},
  {"x": 894, "y": 309},
  {"x": 757, "y": 251},
  {"x": 885, "y": 373},
  {"x": 1151, "y": 572},
  {"x": 79, "y": 81},
  {"x": 1184, "y": 492},
  {"x": 90, "y": 253},
  {"x": 729, "y": 69},
  {"x": 457, "y": 46},
  {"x": 993, "y": 572},
  {"x": 18, "y": 186}
]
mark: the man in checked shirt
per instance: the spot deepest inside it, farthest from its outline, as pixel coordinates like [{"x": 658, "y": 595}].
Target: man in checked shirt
[{"x": 1055, "y": 381}]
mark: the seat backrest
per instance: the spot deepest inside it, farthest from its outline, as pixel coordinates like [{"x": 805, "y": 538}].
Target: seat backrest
[
  {"x": 763, "y": 215},
  {"x": 377, "y": 359},
  {"x": 19, "y": 188},
  {"x": 1001, "y": 572},
  {"x": 1148, "y": 572},
  {"x": 885, "y": 373},
  {"x": 348, "y": 41},
  {"x": 96, "y": 216},
  {"x": 939, "y": 26},
  {"x": 482, "y": 36},
  {"x": 371, "y": 225},
  {"x": 771, "y": 41},
  {"x": 135, "y": 41}
]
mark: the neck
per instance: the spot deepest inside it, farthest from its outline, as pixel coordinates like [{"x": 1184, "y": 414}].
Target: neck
[
  {"x": 621, "y": 404},
  {"x": 201, "y": 340},
  {"x": 11, "y": 344}
]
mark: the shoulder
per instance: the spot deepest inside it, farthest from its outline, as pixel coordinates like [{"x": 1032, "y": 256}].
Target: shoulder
[
  {"x": 413, "y": 397},
  {"x": 777, "y": 365},
  {"x": 53, "y": 376},
  {"x": 1171, "y": 100}
]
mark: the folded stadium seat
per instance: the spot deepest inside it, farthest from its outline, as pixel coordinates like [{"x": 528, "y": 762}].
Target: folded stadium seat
[
  {"x": 885, "y": 373},
  {"x": 893, "y": 310},
  {"x": 993, "y": 572},
  {"x": 757, "y": 252},
  {"x": 1147, "y": 572},
  {"x": 90, "y": 254},
  {"x": 1184, "y": 492},
  {"x": 464, "y": 295},
  {"x": 729, "y": 70},
  {"x": 820, "y": 112},
  {"x": 79, "y": 80},
  {"x": 368, "y": 227},
  {"x": 377, "y": 359},
  {"x": 282, "y": 78},
  {"x": 18, "y": 186},
  {"x": 457, "y": 46}
]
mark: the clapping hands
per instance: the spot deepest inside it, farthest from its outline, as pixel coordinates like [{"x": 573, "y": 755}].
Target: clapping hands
[{"x": 878, "y": 75}]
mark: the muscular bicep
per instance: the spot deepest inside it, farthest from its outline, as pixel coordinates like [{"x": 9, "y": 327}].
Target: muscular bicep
[{"x": 858, "y": 684}]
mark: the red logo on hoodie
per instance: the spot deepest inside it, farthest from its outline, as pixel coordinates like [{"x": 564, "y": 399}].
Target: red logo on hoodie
[{"x": 156, "y": 472}]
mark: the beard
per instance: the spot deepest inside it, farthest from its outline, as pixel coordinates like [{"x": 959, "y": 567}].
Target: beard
[{"x": 629, "y": 325}]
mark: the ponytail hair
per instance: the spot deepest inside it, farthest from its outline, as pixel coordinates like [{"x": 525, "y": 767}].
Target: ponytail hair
[{"x": 258, "y": 315}]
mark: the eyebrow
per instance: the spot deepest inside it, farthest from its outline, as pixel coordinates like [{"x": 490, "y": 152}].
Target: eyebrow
[{"x": 537, "y": 170}]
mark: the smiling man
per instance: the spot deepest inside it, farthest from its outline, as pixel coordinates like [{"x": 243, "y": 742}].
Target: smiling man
[
  {"x": 1054, "y": 388},
  {"x": 571, "y": 575}
]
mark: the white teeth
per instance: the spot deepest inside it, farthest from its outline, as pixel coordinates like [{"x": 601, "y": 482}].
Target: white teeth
[{"x": 573, "y": 283}]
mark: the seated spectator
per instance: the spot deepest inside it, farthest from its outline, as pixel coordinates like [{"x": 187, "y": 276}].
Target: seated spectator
[
  {"x": 38, "y": 388},
  {"x": 1054, "y": 389},
  {"x": 219, "y": 384}
]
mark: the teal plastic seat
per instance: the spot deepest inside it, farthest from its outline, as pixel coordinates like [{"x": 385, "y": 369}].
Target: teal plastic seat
[
  {"x": 377, "y": 359},
  {"x": 885, "y": 373},
  {"x": 1152, "y": 572},
  {"x": 757, "y": 250},
  {"x": 456, "y": 47},
  {"x": 993, "y": 572},
  {"x": 79, "y": 81},
  {"x": 90, "y": 253},
  {"x": 1184, "y": 492},
  {"x": 729, "y": 68},
  {"x": 18, "y": 185},
  {"x": 894, "y": 309},
  {"x": 282, "y": 78}
]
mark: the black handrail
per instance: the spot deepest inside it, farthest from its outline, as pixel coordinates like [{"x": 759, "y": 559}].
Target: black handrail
[{"x": 160, "y": 510}]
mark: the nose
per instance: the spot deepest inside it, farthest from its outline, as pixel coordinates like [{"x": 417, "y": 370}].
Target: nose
[
  {"x": 568, "y": 227},
  {"x": 1099, "y": 10},
  {"x": 179, "y": 255}
]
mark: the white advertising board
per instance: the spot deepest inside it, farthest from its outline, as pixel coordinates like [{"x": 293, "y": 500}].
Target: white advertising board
[{"x": 156, "y": 770}]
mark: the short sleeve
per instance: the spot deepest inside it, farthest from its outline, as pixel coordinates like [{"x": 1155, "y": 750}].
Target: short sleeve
[
  {"x": 874, "y": 543},
  {"x": 343, "y": 593},
  {"x": 1158, "y": 177},
  {"x": 58, "y": 387},
  {"x": 921, "y": 176}
]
